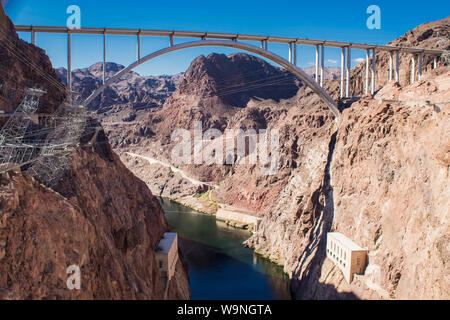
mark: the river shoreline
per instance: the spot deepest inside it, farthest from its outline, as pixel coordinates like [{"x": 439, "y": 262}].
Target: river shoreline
[
  {"x": 194, "y": 204},
  {"x": 218, "y": 258}
]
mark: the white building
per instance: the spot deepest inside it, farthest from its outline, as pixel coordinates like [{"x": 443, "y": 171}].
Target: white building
[
  {"x": 167, "y": 254},
  {"x": 346, "y": 254}
]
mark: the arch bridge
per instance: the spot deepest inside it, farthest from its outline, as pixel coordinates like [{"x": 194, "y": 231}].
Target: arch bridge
[{"x": 206, "y": 39}]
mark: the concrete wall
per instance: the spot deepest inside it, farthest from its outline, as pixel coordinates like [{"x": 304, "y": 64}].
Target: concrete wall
[{"x": 229, "y": 215}]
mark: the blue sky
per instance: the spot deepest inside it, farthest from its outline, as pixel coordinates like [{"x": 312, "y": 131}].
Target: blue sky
[{"x": 331, "y": 20}]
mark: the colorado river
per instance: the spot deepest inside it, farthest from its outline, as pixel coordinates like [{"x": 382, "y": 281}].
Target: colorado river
[{"x": 220, "y": 266}]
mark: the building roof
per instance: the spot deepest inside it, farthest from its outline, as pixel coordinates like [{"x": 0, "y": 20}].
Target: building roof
[
  {"x": 166, "y": 242},
  {"x": 345, "y": 241}
]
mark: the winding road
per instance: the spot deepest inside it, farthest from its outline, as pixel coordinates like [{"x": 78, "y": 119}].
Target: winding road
[{"x": 174, "y": 169}]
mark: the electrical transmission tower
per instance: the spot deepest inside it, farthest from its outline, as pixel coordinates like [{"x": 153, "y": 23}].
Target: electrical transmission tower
[
  {"x": 49, "y": 158},
  {"x": 13, "y": 151},
  {"x": 56, "y": 153}
]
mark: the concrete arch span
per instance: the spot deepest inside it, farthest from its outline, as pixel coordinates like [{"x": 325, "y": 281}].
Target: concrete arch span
[{"x": 330, "y": 103}]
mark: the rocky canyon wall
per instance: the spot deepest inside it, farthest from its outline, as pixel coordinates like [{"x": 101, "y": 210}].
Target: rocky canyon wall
[
  {"x": 99, "y": 217},
  {"x": 381, "y": 180},
  {"x": 386, "y": 188}
]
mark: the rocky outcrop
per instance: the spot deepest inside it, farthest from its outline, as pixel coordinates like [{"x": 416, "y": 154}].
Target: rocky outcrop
[
  {"x": 383, "y": 185},
  {"x": 23, "y": 66},
  {"x": 102, "y": 219},
  {"x": 391, "y": 200},
  {"x": 432, "y": 35},
  {"x": 400, "y": 156}
]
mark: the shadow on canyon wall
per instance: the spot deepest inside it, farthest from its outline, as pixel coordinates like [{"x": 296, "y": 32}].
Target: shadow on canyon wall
[{"x": 305, "y": 281}]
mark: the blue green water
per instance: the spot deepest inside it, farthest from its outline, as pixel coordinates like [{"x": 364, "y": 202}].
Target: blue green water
[{"x": 220, "y": 267}]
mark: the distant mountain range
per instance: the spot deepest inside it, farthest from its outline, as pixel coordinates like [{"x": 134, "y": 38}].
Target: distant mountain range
[
  {"x": 133, "y": 91},
  {"x": 136, "y": 92},
  {"x": 330, "y": 73}
]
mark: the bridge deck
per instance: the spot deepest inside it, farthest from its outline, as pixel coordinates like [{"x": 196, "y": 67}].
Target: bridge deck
[{"x": 224, "y": 36}]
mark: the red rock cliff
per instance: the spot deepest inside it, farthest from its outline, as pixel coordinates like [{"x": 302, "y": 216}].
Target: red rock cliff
[{"x": 99, "y": 217}]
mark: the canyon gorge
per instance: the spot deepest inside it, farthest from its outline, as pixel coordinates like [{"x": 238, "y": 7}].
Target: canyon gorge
[{"x": 378, "y": 174}]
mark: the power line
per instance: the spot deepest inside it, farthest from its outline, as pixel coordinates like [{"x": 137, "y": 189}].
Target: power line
[{"x": 10, "y": 44}]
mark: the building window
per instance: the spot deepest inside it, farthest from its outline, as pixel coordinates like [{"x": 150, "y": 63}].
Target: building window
[
  {"x": 357, "y": 261},
  {"x": 160, "y": 264}
]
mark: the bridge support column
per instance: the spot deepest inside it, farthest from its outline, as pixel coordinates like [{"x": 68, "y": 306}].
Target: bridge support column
[
  {"x": 33, "y": 37},
  {"x": 391, "y": 60},
  {"x": 172, "y": 40},
  {"x": 294, "y": 62},
  {"x": 397, "y": 66},
  {"x": 69, "y": 62},
  {"x": 322, "y": 63},
  {"x": 342, "y": 71},
  {"x": 293, "y": 53},
  {"x": 434, "y": 62},
  {"x": 104, "y": 58},
  {"x": 317, "y": 64},
  {"x": 413, "y": 69},
  {"x": 349, "y": 63},
  {"x": 139, "y": 46},
  {"x": 290, "y": 52},
  {"x": 366, "y": 84},
  {"x": 372, "y": 91},
  {"x": 420, "y": 66}
]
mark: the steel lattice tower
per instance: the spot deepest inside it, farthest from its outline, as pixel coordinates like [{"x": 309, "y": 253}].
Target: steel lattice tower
[{"x": 13, "y": 151}]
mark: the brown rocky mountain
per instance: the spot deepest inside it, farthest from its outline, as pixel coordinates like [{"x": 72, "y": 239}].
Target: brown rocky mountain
[
  {"x": 99, "y": 217},
  {"x": 236, "y": 79},
  {"x": 218, "y": 91},
  {"x": 375, "y": 175}
]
